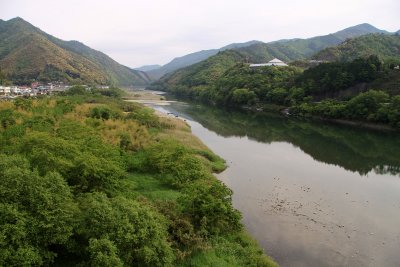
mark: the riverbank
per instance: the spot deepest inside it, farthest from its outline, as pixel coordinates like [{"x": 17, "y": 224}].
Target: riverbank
[
  {"x": 298, "y": 184},
  {"x": 221, "y": 248}
]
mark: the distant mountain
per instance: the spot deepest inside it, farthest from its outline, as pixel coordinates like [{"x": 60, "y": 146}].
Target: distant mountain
[
  {"x": 27, "y": 53},
  {"x": 383, "y": 45},
  {"x": 211, "y": 69},
  {"x": 203, "y": 73},
  {"x": 295, "y": 49},
  {"x": 190, "y": 59},
  {"x": 257, "y": 52},
  {"x": 148, "y": 67}
]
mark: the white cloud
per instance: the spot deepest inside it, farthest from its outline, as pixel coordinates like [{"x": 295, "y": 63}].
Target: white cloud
[{"x": 146, "y": 32}]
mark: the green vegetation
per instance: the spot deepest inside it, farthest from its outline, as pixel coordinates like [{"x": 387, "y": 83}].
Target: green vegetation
[
  {"x": 28, "y": 54},
  {"x": 87, "y": 179},
  {"x": 371, "y": 106},
  {"x": 327, "y": 79},
  {"x": 335, "y": 90},
  {"x": 385, "y": 45},
  {"x": 255, "y": 51}
]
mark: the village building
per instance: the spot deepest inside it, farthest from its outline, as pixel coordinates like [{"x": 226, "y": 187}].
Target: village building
[
  {"x": 274, "y": 62},
  {"x": 5, "y": 90}
]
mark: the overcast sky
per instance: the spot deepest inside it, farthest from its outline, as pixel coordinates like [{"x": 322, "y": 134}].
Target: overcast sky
[{"x": 139, "y": 32}]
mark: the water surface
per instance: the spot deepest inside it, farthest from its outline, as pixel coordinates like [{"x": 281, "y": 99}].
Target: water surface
[{"x": 312, "y": 194}]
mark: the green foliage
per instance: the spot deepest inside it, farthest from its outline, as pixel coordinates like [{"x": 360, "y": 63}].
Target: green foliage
[
  {"x": 36, "y": 213},
  {"x": 7, "y": 118},
  {"x": 104, "y": 113},
  {"x": 138, "y": 233},
  {"x": 386, "y": 46},
  {"x": 71, "y": 193},
  {"x": 23, "y": 103},
  {"x": 328, "y": 78},
  {"x": 209, "y": 205},
  {"x": 177, "y": 164},
  {"x": 77, "y": 90},
  {"x": 235, "y": 250},
  {"x": 241, "y": 85},
  {"x": 103, "y": 253},
  {"x": 243, "y": 97},
  {"x": 111, "y": 92},
  {"x": 145, "y": 116},
  {"x": 365, "y": 106},
  {"x": 371, "y": 106}
]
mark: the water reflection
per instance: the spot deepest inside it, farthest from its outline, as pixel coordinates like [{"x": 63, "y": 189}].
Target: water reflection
[{"x": 354, "y": 149}]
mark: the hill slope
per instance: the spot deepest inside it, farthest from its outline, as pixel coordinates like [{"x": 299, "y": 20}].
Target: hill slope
[
  {"x": 287, "y": 50},
  {"x": 148, "y": 67},
  {"x": 295, "y": 49},
  {"x": 27, "y": 53},
  {"x": 383, "y": 45},
  {"x": 211, "y": 69},
  {"x": 193, "y": 58}
]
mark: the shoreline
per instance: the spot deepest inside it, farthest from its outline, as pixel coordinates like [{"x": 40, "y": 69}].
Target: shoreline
[{"x": 147, "y": 102}]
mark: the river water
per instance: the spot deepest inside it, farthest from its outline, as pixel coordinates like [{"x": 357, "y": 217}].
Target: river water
[{"x": 312, "y": 194}]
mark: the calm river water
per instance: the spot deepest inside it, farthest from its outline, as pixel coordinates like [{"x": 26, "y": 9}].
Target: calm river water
[{"x": 312, "y": 194}]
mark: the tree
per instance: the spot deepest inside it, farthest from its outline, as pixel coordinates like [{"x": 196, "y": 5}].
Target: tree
[
  {"x": 138, "y": 234},
  {"x": 243, "y": 97},
  {"x": 209, "y": 205},
  {"x": 36, "y": 213},
  {"x": 103, "y": 252},
  {"x": 366, "y": 105}
]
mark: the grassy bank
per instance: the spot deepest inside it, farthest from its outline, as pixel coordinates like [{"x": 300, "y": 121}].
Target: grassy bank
[{"x": 88, "y": 179}]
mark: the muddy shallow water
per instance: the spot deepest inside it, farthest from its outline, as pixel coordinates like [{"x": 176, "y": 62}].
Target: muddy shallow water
[{"x": 312, "y": 194}]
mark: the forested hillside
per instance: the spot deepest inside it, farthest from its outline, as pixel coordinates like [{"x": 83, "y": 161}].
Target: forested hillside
[
  {"x": 89, "y": 180},
  {"x": 330, "y": 90},
  {"x": 384, "y": 45},
  {"x": 257, "y": 52},
  {"x": 192, "y": 58},
  {"x": 27, "y": 54}
]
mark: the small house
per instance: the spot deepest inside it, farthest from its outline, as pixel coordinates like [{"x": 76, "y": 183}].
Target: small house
[{"x": 274, "y": 62}]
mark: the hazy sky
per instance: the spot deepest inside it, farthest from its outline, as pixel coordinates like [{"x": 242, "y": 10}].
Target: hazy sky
[{"x": 154, "y": 31}]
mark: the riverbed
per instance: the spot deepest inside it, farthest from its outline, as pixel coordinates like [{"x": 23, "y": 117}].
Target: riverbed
[{"x": 312, "y": 194}]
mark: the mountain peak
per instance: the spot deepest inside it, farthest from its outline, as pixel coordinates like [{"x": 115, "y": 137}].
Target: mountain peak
[
  {"x": 357, "y": 30},
  {"x": 51, "y": 58},
  {"x": 17, "y": 20}
]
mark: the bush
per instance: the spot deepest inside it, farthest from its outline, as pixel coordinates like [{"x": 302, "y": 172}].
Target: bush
[
  {"x": 365, "y": 105},
  {"x": 177, "y": 164},
  {"x": 209, "y": 206},
  {"x": 138, "y": 234},
  {"x": 36, "y": 213},
  {"x": 104, "y": 113}
]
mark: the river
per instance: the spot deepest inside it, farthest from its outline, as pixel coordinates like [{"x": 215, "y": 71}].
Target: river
[{"x": 312, "y": 194}]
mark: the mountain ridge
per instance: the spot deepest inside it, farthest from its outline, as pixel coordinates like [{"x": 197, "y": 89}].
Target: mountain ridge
[
  {"x": 27, "y": 53},
  {"x": 199, "y": 75},
  {"x": 192, "y": 58},
  {"x": 259, "y": 51},
  {"x": 385, "y": 46}
]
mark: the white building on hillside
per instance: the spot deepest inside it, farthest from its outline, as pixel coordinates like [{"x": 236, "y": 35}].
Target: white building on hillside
[{"x": 274, "y": 62}]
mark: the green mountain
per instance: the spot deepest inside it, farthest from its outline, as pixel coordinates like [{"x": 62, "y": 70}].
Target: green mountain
[
  {"x": 148, "y": 67},
  {"x": 193, "y": 58},
  {"x": 383, "y": 45},
  {"x": 27, "y": 53},
  {"x": 202, "y": 73},
  {"x": 297, "y": 49},
  {"x": 211, "y": 69},
  {"x": 257, "y": 52}
]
